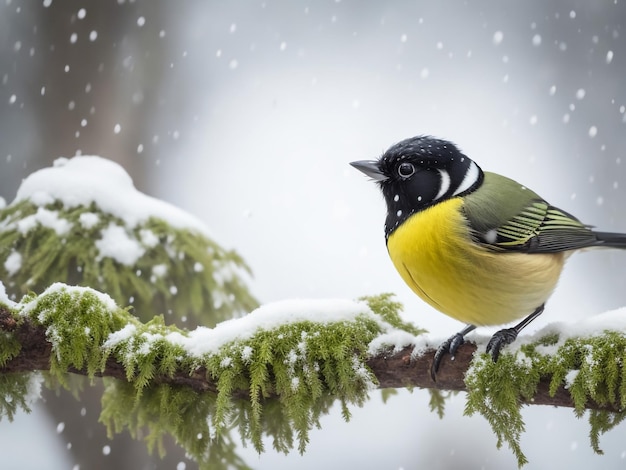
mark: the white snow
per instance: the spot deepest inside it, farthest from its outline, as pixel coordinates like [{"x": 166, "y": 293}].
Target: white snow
[
  {"x": 204, "y": 340},
  {"x": 13, "y": 263},
  {"x": 159, "y": 270},
  {"x": 88, "y": 220},
  {"x": 498, "y": 37},
  {"x": 614, "y": 320},
  {"x": 106, "y": 300},
  {"x": 609, "y": 57},
  {"x": 44, "y": 217},
  {"x": 148, "y": 238},
  {"x": 83, "y": 180},
  {"x": 116, "y": 243},
  {"x": 593, "y": 131},
  {"x": 246, "y": 353},
  {"x": 4, "y": 298},
  {"x": 570, "y": 377},
  {"x": 295, "y": 383},
  {"x": 594, "y": 325},
  {"x": 395, "y": 339},
  {"x": 120, "y": 335}
]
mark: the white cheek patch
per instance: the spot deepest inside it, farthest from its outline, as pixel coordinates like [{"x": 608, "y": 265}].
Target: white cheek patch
[
  {"x": 445, "y": 183},
  {"x": 471, "y": 177}
]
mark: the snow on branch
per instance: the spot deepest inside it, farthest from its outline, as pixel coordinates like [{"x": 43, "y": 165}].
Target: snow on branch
[{"x": 294, "y": 358}]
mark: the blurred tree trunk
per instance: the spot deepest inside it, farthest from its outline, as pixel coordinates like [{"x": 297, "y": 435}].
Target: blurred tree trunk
[{"x": 89, "y": 76}]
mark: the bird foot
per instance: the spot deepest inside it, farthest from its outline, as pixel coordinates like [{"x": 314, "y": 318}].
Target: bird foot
[
  {"x": 449, "y": 346},
  {"x": 499, "y": 340}
]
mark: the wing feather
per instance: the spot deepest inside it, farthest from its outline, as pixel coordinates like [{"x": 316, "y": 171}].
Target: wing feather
[
  {"x": 542, "y": 228},
  {"x": 522, "y": 221}
]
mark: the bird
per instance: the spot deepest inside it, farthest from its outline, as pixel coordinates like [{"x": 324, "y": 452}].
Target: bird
[{"x": 475, "y": 245}]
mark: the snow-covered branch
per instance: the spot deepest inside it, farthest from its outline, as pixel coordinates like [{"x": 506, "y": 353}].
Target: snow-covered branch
[
  {"x": 299, "y": 356},
  {"x": 392, "y": 369}
]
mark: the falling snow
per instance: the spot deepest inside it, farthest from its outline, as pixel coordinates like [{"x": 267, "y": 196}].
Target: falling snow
[
  {"x": 609, "y": 57},
  {"x": 498, "y": 37},
  {"x": 13, "y": 263},
  {"x": 518, "y": 82}
]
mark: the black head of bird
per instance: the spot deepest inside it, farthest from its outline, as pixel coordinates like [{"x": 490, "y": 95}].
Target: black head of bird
[
  {"x": 475, "y": 245},
  {"x": 419, "y": 172}
]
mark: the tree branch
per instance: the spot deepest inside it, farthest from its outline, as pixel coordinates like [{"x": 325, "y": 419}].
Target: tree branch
[{"x": 392, "y": 371}]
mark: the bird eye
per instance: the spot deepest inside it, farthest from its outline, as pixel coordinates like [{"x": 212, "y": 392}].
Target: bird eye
[{"x": 406, "y": 169}]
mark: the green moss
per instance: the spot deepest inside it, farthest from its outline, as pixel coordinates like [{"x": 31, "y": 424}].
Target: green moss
[
  {"x": 591, "y": 368},
  {"x": 292, "y": 375},
  {"x": 9, "y": 345},
  {"x": 77, "y": 322},
  {"x": 278, "y": 382}
]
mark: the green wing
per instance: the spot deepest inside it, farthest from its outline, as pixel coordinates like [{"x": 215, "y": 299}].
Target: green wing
[{"x": 503, "y": 215}]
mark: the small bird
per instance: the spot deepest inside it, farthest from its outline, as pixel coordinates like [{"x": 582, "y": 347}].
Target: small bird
[{"x": 475, "y": 245}]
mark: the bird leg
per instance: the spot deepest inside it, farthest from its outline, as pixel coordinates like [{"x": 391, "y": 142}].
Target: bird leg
[
  {"x": 508, "y": 335},
  {"x": 448, "y": 346}
]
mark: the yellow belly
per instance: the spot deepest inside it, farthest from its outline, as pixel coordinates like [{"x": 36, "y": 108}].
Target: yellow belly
[{"x": 435, "y": 256}]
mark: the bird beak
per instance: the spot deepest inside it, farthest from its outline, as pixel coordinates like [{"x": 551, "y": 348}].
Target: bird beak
[{"x": 370, "y": 168}]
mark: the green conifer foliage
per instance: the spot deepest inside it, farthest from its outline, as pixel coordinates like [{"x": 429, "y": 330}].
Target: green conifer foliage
[{"x": 181, "y": 274}]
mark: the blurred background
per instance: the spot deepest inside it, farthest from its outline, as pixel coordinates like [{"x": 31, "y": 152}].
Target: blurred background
[{"x": 247, "y": 114}]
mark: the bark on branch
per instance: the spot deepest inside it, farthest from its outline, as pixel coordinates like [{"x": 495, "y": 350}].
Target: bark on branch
[{"x": 393, "y": 371}]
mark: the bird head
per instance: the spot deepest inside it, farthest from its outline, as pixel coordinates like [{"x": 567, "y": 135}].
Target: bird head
[{"x": 419, "y": 172}]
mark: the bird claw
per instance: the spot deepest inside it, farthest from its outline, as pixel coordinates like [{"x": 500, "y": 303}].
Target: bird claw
[
  {"x": 451, "y": 345},
  {"x": 499, "y": 340}
]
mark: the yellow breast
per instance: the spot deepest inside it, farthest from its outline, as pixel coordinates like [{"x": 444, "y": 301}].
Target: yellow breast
[{"x": 433, "y": 252}]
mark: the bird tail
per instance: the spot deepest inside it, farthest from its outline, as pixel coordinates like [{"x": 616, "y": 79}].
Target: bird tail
[{"x": 613, "y": 240}]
